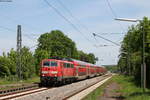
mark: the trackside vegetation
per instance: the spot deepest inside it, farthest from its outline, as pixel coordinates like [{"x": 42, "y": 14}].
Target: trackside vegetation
[
  {"x": 50, "y": 44},
  {"x": 130, "y": 58},
  {"x": 128, "y": 90}
]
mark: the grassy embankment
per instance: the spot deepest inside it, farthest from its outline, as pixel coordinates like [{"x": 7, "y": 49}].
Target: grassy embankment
[
  {"x": 13, "y": 83},
  {"x": 128, "y": 89},
  {"x": 4, "y": 81}
]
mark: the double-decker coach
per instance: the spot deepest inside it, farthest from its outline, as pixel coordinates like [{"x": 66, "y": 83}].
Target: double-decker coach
[{"x": 62, "y": 70}]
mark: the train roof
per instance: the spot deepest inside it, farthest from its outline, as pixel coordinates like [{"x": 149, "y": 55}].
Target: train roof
[
  {"x": 73, "y": 60},
  {"x": 82, "y": 62}
]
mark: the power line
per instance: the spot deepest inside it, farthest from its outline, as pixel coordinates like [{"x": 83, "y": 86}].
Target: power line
[
  {"x": 82, "y": 25},
  {"x": 60, "y": 14},
  {"x": 72, "y": 17},
  {"x": 106, "y": 39},
  {"x": 8, "y": 29},
  {"x": 113, "y": 13},
  {"x": 14, "y": 31},
  {"x": 26, "y": 35},
  {"x": 18, "y": 21},
  {"x": 111, "y": 33},
  {"x": 103, "y": 45}
]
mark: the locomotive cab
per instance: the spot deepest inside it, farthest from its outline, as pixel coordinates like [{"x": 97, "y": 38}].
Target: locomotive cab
[
  {"x": 50, "y": 71},
  {"x": 49, "y": 68}
]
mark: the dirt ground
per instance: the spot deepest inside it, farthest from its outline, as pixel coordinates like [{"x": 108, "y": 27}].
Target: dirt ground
[{"x": 110, "y": 92}]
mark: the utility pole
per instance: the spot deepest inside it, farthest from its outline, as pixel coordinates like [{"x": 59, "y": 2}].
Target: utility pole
[
  {"x": 19, "y": 46},
  {"x": 143, "y": 59},
  {"x": 129, "y": 63}
]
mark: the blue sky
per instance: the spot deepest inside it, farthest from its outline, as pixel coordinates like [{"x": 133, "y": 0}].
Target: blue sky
[{"x": 36, "y": 17}]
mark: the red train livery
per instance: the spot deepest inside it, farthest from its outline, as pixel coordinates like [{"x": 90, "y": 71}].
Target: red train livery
[{"x": 55, "y": 71}]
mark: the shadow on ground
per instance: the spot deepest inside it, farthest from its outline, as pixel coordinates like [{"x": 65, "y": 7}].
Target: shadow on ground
[
  {"x": 139, "y": 94},
  {"x": 118, "y": 97}
]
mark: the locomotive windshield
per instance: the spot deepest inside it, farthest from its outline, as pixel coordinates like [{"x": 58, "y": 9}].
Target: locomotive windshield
[{"x": 50, "y": 63}]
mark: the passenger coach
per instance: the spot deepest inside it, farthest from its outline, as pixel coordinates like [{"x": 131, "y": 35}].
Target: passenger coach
[{"x": 58, "y": 71}]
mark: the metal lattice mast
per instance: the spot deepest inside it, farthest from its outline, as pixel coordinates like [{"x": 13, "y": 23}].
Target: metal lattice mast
[{"x": 19, "y": 46}]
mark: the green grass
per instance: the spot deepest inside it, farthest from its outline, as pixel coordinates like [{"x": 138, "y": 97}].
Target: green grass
[
  {"x": 33, "y": 80},
  {"x": 97, "y": 92},
  {"x": 4, "y": 81},
  {"x": 128, "y": 89},
  {"x": 7, "y": 83}
]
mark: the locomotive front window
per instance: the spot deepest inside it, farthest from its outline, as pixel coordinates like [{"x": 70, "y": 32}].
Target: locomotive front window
[
  {"x": 53, "y": 63},
  {"x": 50, "y": 63},
  {"x": 46, "y": 63}
]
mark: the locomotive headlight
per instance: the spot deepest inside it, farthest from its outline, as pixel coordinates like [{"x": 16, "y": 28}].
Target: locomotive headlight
[
  {"x": 54, "y": 72},
  {"x": 44, "y": 72}
]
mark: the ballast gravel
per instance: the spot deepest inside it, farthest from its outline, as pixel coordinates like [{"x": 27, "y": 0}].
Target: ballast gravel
[{"x": 59, "y": 93}]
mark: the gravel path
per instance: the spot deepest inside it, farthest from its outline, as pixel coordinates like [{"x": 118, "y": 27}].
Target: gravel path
[
  {"x": 58, "y": 93},
  {"x": 110, "y": 92}
]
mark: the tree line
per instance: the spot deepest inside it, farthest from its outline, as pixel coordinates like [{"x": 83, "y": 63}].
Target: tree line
[
  {"x": 130, "y": 58},
  {"x": 50, "y": 44}
]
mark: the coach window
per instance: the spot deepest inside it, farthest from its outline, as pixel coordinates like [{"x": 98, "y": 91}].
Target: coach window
[
  {"x": 68, "y": 65},
  {"x": 72, "y": 66},
  {"x": 65, "y": 65},
  {"x": 53, "y": 63}
]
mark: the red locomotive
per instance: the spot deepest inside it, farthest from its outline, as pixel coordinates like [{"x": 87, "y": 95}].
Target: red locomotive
[{"x": 56, "y": 71}]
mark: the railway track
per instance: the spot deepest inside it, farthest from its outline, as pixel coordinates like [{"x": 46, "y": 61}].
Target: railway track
[
  {"x": 38, "y": 92},
  {"x": 15, "y": 95},
  {"x": 20, "y": 91},
  {"x": 83, "y": 92}
]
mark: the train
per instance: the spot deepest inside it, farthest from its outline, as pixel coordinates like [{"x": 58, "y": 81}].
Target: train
[{"x": 56, "y": 71}]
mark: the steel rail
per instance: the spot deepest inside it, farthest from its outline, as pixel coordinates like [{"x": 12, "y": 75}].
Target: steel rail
[
  {"x": 23, "y": 93},
  {"x": 67, "y": 97},
  {"x": 17, "y": 90}
]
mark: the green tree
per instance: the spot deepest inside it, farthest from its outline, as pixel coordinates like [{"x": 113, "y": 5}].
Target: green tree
[
  {"x": 55, "y": 43},
  {"x": 4, "y": 66},
  {"x": 92, "y": 58},
  {"x": 8, "y": 63},
  {"x": 52, "y": 44},
  {"x": 27, "y": 64},
  {"x": 132, "y": 45},
  {"x": 12, "y": 55},
  {"x": 39, "y": 56}
]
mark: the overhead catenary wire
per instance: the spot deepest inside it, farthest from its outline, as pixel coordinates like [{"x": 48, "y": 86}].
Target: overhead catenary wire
[
  {"x": 20, "y": 22},
  {"x": 29, "y": 36},
  {"x": 8, "y": 29},
  {"x": 115, "y": 33},
  {"x": 26, "y": 35},
  {"x": 105, "y": 39},
  {"x": 14, "y": 31},
  {"x": 83, "y": 26},
  {"x": 75, "y": 18},
  {"x": 113, "y": 13},
  {"x": 67, "y": 20}
]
